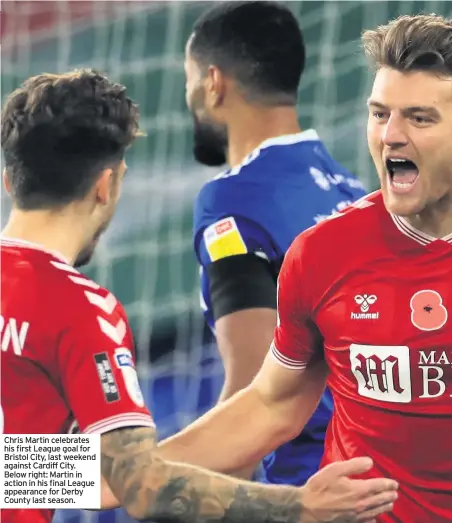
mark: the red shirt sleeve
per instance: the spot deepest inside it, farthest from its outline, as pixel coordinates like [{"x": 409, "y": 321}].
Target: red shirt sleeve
[
  {"x": 296, "y": 338},
  {"x": 96, "y": 365}
]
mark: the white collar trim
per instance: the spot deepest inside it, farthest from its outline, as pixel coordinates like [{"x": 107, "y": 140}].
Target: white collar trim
[
  {"x": 309, "y": 135},
  {"x": 421, "y": 237},
  {"x": 287, "y": 139}
]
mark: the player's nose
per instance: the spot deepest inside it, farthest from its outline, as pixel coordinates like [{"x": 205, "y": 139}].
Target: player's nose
[{"x": 394, "y": 132}]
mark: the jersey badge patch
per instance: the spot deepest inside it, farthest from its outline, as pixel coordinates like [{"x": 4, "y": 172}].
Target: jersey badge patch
[
  {"x": 106, "y": 377},
  {"x": 223, "y": 239},
  {"x": 124, "y": 362}
]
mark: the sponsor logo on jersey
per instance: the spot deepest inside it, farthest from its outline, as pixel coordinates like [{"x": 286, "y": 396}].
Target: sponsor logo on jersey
[
  {"x": 326, "y": 180},
  {"x": 382, "y": 372},
  {"x": 387, "y": 372},
  {"x": 365, "y": 301},
  {"x": 320, "y": 178},
  {"x": 124, "y": 359},
  {"x": 224, "y": 226},
  {"x": 223, "y": 239}
]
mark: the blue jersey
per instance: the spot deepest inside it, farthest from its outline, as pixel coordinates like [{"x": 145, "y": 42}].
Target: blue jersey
[{"x": 285, "y": 186}]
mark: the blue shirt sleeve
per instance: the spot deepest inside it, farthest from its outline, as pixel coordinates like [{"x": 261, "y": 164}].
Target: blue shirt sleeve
[
  {"x": 233, "y": 236},
  {"x": 228, "y": 221}
]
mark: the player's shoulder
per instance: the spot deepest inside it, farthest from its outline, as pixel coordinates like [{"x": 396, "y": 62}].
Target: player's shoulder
[
  {"x": 81, "y": 303},
  {"x": 224, "y": 196},
  {"x": 249, "y": 177},
  {"x": 223, "y": 188},
  {"x": 353, "y": 224},
  {"x": 31, "y": 265},
  {"x": 58, "y": 288},
  {"x": 83, "y": 296}
]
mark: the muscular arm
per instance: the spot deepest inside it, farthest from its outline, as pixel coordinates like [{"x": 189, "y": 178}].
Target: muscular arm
[
  {"x": 243, "y": 296},
  {"x": 152, "y": 489},
  {"x": 243, "y": 339},
  {"x": 241, "y": 283},
  {"x": 255, "y": 421}
]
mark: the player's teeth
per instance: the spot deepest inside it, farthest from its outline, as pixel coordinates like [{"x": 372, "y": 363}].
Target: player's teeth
[{"x": 402, "y": 185}]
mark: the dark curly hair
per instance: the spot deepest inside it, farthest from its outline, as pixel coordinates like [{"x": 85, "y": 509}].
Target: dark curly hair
[{"x": 58, "y": 131}]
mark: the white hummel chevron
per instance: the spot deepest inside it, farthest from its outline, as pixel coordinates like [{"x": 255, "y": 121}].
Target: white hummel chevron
[
  {"x": 64, "y": 267},
  {"x": 362, "y": 204},
  {"x": 79, "y": 280},
  {"x": 115, "y": 332},
  {"x": 107, "y": 304}
]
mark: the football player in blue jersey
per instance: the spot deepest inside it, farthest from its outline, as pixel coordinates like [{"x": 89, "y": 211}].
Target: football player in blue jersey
[{"x": 243, "y": 66}]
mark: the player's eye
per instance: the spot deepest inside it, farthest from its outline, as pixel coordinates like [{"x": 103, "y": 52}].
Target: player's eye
[
  {"x": 378, "y": 115},
  {"x": 421, "y": 119}
]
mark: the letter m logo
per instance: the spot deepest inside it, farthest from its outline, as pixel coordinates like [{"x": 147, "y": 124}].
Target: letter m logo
[{"x": 382, "y": 372}]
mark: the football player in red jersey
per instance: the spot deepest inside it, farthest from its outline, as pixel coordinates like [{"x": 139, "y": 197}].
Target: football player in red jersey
[
  {"x": 364, "y": 301},
  {"x": 67, "y": 349}
]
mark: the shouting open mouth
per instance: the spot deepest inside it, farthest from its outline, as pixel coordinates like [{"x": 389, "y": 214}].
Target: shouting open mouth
[{"x": 403, "y": 174}]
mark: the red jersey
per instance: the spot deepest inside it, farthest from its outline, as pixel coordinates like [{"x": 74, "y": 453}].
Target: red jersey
[
  {"x": 372, "y": 295},
  {"x": 66, "y": 354}
]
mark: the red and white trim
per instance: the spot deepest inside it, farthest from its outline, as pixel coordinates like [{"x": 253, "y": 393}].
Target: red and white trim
[
  {"x": 286, "y": 362},
  {"x": 131, "y": 419},
  {"x": 413, "y": 233},
  {"x": 13, "y": 242}
]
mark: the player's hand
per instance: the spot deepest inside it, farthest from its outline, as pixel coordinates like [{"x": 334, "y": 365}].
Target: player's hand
[{"x": 332, "y": 496}]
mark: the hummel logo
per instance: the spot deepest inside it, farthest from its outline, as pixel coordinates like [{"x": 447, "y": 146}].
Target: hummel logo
[{"x": 365, "y": 301}]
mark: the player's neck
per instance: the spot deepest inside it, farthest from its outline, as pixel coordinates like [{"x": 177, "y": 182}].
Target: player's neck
[
  {"x": 257, "y": 125},
  {"x": 435, "y": 221},
  {"x": 53, "y": 233}
]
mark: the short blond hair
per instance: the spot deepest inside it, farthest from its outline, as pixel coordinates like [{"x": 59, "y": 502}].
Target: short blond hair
[{"x": 411, "y": 43}]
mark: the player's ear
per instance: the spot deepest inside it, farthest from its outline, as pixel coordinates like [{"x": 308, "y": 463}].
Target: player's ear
[
  {"x": 103, "y": 186},
  {"x": 6, "y": 182},
  {"x": 215, "y": 87}
]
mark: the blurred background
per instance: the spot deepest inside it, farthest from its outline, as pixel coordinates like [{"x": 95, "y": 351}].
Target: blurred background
[{"x": 147, "y": 258}]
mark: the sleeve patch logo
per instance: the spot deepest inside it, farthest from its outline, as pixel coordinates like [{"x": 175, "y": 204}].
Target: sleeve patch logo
[
  {"x": 223, "y": 239},
  {"x": 124, "y": 359},
  {"x": 124, "y": 362},
  {"x": 224, "y": 226},
  {"x": 106, "y": 377}
]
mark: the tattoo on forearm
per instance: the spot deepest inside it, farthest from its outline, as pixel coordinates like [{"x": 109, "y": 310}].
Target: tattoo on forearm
[{"x": 175, "y": 493}]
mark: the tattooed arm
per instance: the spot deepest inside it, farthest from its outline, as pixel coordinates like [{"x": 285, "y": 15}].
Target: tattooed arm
[
  {"x": 152, "y": 489},
  {"x": 269, "y": 412}
]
